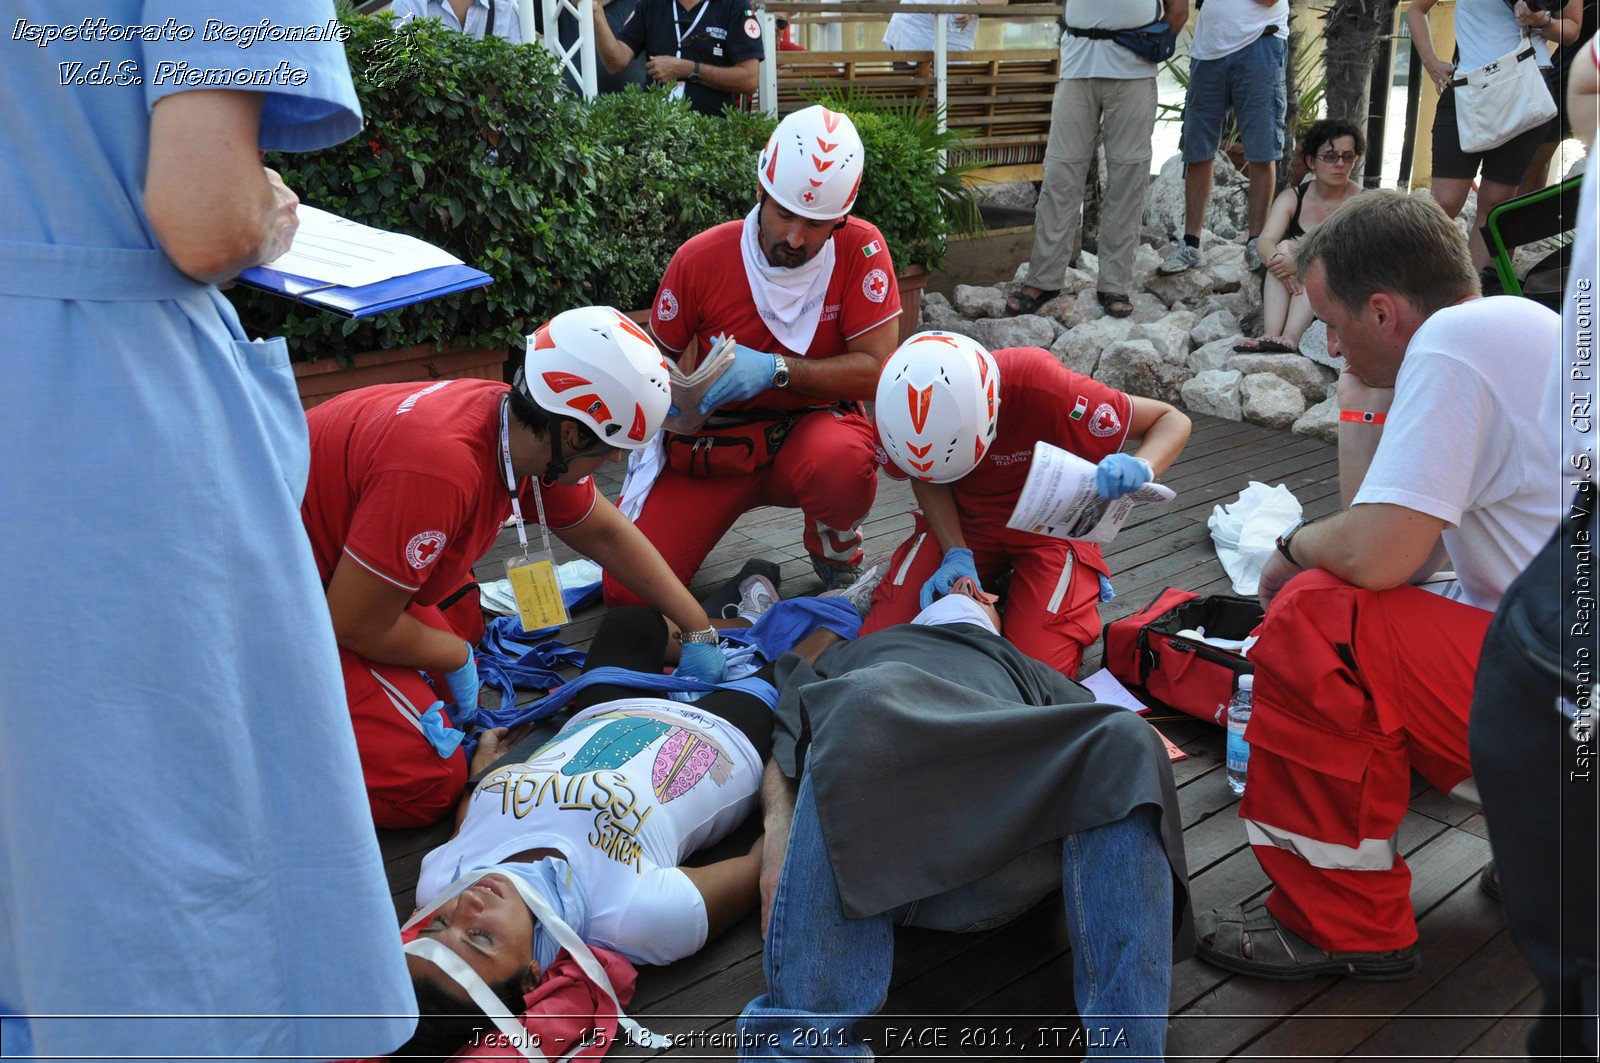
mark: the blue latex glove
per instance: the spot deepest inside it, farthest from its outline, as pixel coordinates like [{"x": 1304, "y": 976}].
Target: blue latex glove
[
  {"x": 957, "y": 564},
  {"x": 748, "y": 376},
  {"x": 463, "y": 684},
  {"x": 1120, "y": 474},
  {"x": 444, "y": 740},
  {"x": 703, "y": 661}
]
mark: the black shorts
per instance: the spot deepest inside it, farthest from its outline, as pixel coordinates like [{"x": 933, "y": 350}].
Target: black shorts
[{"x": 1507, "y": 164}]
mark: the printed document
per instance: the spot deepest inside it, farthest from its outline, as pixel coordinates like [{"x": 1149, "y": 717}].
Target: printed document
[
  {"x": 1059, "y": 499},
  {"x": 339, "y": 251}
]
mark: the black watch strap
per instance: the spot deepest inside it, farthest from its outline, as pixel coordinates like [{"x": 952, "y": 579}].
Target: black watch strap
[{"x": 1283, "y": 541}]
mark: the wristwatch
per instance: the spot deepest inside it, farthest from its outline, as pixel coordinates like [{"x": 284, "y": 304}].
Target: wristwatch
[
  {"x": 694, "y": 75},
  {"x": 780, "y": 372},
  {"x": 1282, "y": 542},
  {"x": 708, "y": 635}
]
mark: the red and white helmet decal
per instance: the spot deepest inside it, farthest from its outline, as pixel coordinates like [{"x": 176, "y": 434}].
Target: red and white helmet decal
[
  {"x": 812, "y": 164},
  {"x": 938, "y": 405},
  {"x": 597, "y": 366}
]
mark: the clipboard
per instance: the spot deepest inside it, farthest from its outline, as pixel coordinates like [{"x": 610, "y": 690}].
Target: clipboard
[{"x": 368, "y": 299}]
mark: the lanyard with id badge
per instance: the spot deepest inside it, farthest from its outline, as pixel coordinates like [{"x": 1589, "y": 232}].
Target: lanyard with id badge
[
  {"x": 532, "y": 575},
  {"x": 681, "y": 33}
]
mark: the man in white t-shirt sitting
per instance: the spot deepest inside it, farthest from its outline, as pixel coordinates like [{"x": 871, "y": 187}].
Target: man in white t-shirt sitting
[
  {"x": 1360, "y": 678},
  {"x": 1236, "y": 62},
  {"x": 1106, "y": 91}
]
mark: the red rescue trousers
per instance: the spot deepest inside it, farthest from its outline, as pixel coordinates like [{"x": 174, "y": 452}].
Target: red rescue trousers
[
  {"x": 408, "y": 783},
  {"x": 1051, "y": 606},
  {"x": 1353, "y": 689},
  {"x": 825, "y": 468}
]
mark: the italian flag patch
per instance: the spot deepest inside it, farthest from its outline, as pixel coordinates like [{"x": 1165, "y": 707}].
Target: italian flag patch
[
  {"x": 870, "y": 249},
  {"x": 1079, "y": 408}
]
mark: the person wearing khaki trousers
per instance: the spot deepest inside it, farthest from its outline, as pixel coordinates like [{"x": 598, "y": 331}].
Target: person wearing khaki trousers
[{"x": 1109, "y": 92}]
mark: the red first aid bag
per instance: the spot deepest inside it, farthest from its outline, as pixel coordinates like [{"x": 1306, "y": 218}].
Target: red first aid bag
[{"x": 1145, "y": 652}]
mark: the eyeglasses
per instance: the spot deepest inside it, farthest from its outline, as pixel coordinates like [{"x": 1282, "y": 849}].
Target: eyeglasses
[{"x": 1330, "y": 157}]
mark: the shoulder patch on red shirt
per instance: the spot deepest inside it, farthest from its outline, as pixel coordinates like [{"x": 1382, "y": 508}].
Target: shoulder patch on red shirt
[
  {"x": 1105, "y": 421},
  {"x": 875, "y": 286},
  {"x": 424, "y": 548},
  {"x": 667, "y": 305}
]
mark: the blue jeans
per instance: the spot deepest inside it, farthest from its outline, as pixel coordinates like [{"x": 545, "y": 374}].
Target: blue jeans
[
  {"x": 824, "y": 970},
  {"x": 1251, "y": 82}
]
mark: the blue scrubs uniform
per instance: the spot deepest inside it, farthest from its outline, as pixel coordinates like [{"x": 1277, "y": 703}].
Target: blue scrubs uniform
[{"x": 183, "y": 830}]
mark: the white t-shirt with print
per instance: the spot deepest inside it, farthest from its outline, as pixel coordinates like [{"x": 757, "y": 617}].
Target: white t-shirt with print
[
  {"x": 1225, "y": 26},
  {"x": 1085, "y": 57},
  {"x": 625, "y": 792},
  {"x": 1464, "y": 441}
]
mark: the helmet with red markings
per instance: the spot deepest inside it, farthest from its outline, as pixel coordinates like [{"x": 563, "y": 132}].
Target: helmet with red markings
[
  {"x": 938, "y": 405},
  {"x": 601, "y": 369},
  {"x": 812, "y": 164}
]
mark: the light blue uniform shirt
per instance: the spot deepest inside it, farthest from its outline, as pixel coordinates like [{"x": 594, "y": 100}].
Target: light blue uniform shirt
[{"x": 183, "y": 829}]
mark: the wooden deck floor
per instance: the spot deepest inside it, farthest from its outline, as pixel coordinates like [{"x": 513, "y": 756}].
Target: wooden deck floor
[{"x": 1008, "y": 992}]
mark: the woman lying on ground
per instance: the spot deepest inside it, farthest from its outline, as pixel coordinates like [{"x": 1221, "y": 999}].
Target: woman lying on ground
[
  {"x": 1331, "y": 148},
  {"x": 597, "y": 823}
]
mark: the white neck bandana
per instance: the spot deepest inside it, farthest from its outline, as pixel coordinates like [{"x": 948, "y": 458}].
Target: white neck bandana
[
  {"x": 788, "y": 300},
  {"x": 955, "y": 609}
]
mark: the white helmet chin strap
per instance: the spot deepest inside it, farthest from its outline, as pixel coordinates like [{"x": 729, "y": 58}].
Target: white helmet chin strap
[{"x": 464, "y": 976}]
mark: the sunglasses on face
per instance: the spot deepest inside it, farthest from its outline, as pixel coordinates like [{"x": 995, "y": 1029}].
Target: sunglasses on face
[{"x": 1339, "y": 156}]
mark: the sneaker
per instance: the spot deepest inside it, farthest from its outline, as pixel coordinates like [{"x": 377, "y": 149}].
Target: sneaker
[
  {"x": 859, "y": 593},
  {"x": 1252, "y": 257},
  {"x": 756, "y": 596},
  {"x": 1182, "y": 260},
  {"x": 834, "y": 577}
]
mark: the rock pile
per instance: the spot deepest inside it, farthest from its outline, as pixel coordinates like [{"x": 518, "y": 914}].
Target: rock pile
[{"x": 1178, "y": 344}]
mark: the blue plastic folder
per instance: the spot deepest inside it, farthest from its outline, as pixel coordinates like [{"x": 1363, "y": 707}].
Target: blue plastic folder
[{"x": 367, "y": 299}]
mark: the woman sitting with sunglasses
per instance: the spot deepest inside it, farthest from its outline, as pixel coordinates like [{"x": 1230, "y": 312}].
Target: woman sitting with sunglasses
[
  {"x": 1331, "y": 148},
  {"x": 409, "y": 486}
]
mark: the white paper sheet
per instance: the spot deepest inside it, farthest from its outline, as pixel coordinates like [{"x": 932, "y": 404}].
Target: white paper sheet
[
  {"x": 1058, "y": 499},
  {"x": 339, "y": 251},
  {"x": 1105, "y": 687}
]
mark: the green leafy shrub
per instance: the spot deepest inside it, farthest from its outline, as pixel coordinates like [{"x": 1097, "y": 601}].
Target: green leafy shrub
[{"x": 478, "y": 147}]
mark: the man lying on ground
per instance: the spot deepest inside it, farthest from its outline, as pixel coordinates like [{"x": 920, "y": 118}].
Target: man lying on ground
[
  {"x": 873, "y": 742},
  {"x": 1359, "y": 677}
]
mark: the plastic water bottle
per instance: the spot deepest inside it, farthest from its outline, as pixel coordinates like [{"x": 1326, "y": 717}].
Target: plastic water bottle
[{"x": 1238, "y": 748}]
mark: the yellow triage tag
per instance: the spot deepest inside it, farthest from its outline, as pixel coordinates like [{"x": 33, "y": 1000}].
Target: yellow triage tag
[{"x": 538, "y": 591}]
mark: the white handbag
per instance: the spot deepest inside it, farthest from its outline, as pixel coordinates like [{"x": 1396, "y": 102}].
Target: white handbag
[{"x": 1502, "y": 99}]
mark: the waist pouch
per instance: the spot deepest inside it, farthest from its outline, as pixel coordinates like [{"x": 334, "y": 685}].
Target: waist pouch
[
  {"x": 1145, "y": 652},
  {"x": 734, "y": 444},
  {"x": 1154, "y": 42}
]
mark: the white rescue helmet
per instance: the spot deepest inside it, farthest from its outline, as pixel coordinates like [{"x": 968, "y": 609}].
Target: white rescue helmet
[
  {"x": 812, "y": 164},
  {"x": 596, "y": 366},
  {"x": 938, "y": 405}
]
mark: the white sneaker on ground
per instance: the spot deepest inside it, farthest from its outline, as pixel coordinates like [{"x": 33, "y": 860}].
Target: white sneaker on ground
[
  {"x": 756, "y": 596},
  {"x": 1182, "y": 259},
  {"x": 859, "y": 593}
]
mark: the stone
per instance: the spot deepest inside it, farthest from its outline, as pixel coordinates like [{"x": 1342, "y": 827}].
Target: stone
[
  {"x": 1171, "y": 341},
  {"x": 1021, "y": 274},
  {"x": 1145, "y": 260},
  {"x": 1214, "y": 392},
  {"x": 934, "y": 303},
  {"x": 1312, "y": 379},
  {"x": 1089, "y": 263},
  {"x": 1024, "y": 330},
  {"x": 1065, "y": 310},
  {"x": 1089, "y": 304},
  {"x": 1271, "y": 401},
  {"x": 1217, "y": 325},
  {"x": 1185, "y": 319},
  {"x": 957, "y": 324},
  {"x": 1083, "y": 345},
  {"x": 1214, "y": 355},
  {"x": 1079, "y": 356},
  {"x": 974, "y": 301},
  {"x": 1225, "y": 263},
  {"x": 1075, "y": 281},
  {"x": 1147, "y": 309},
  {"x": 1321, "y": 421},
  {"x": 1135, "y": 367},
  {"x": 1188, "y": 288},
  {"x": 1226, "y": 212},
  {"x": 1314, "y": 345},
  {"x": 1007, "y": 194}
]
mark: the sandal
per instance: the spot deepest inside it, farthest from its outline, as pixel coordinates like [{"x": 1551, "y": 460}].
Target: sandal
[
  {"x": 1265, "y": 345},
  {"x": 1023, "y": 303},
  {"x": 1114, "y": 304},
  {"x": 1253, "y": 942}
]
